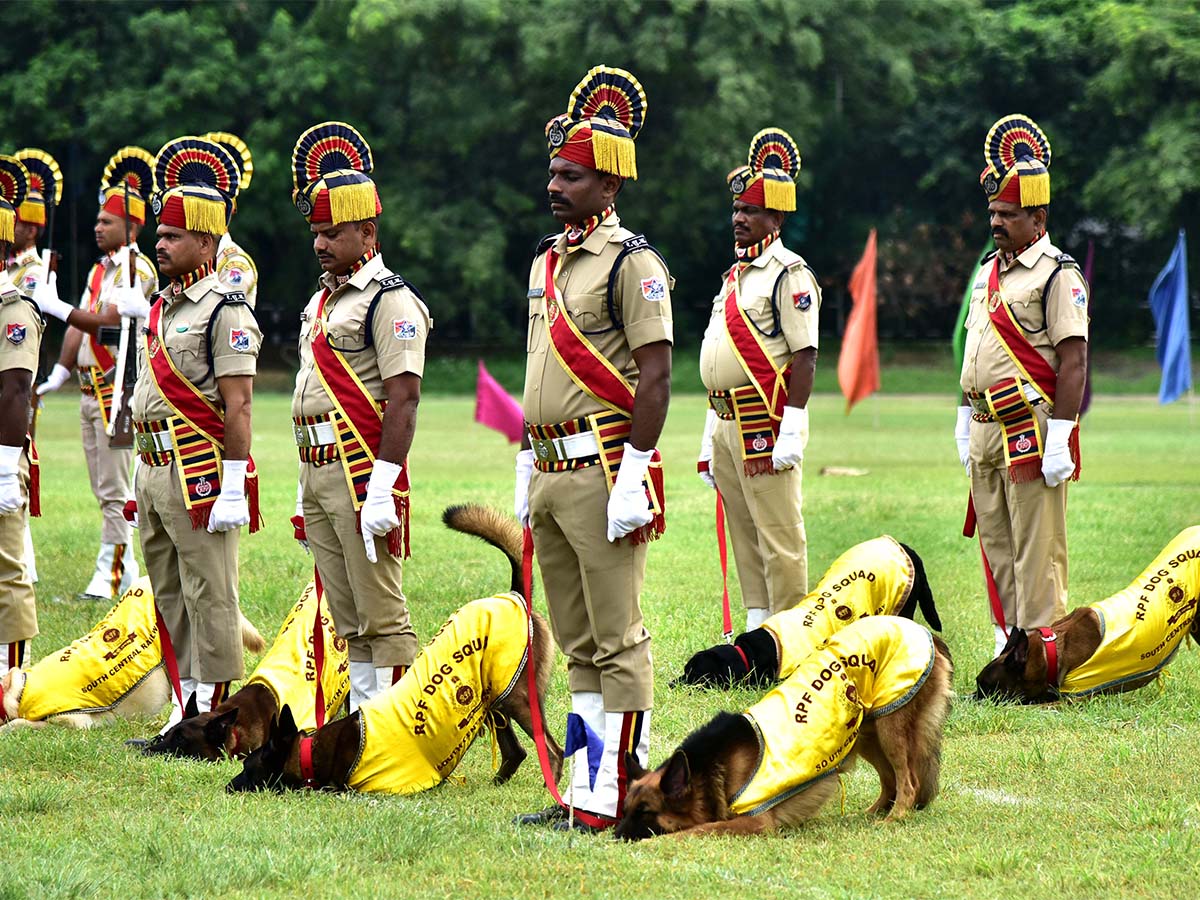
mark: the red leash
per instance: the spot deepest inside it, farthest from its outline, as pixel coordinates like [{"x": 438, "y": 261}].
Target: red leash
[
  {"x": 723, "y": 551},
  {"x": 319, "y": 652},
  {"x": 306, "y": 762},
  {"x": 168, "y": 654},
  {"x": 535, "y": 707},
  {"x": 993, "y": 592},
  {"x": 1050, "y": 645}
]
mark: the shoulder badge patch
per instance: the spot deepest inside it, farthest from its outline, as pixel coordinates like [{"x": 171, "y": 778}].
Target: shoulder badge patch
[
  {"x": 654, "y": 289},
  {"x": 239, "y": 339},
  {"x": 403, "y": 329},
  {"x": 392, "y": 281},
  {"x": 15, "y": 333},
  {"x": 802, "y": 300},
  {"x": 1079, "y": 296}
]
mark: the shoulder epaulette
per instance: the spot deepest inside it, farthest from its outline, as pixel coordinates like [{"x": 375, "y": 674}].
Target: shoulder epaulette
[
  {"x": 544, "y": 243},
  {"x": 234, "y": 296},
  {"x": 636, "y": 243},
  {"x": 1066, "y": 261},
  {"x": 389, "y": 282},
  {"x": 987, "y": 256}
]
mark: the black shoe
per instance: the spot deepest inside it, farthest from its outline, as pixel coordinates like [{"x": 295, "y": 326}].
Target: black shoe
[
  {"x": 137, "y": 743},
  {"x": 545, "y": 816},
  {"x": 578, "y": 825}
]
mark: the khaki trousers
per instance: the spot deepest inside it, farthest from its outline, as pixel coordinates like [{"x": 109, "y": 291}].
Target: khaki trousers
[
  {"x": 765, "y": 525},
  {"x": 194, "y": 576},
  {"x": 366, "y": 599},
  {"x": 593, "y": 588},
  {"x": 1023, "y": 529},
  {"x": 108, "y": 472},
  {"x": 18, "y": 612}
]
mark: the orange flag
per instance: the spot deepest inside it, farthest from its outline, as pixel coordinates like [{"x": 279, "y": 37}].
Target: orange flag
[{"x": 858, "y": 365}]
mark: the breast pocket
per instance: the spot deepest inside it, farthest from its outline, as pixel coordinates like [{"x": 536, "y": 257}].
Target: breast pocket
[
  {"x": 347, "y": 334},
  {"x": 535, "y": 337},
  {"x": 1027, "y": 308},
  {"x": 589, "y": 312},
  {"x": 188, "y": 351},
  {"x": 760, "y": 312}
]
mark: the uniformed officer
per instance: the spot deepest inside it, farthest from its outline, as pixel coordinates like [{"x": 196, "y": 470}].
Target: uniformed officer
[
  {"x": 20, "y": 336},
  {"x": 757, "y": 362},
  {"x": 127, "y": 180},
  {"x": 1022, "y": 379},
  {"x": 235, "y": 269},
  {"x": 362, "y": 355},
  {"x": 196, "y": 486},
  {"x": 597, "y": 385}
]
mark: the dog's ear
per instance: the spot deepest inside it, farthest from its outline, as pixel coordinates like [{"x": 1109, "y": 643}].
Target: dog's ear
[
  {"x": 216, "y": 729},
  {"x": 633, "y": 768},
  {"x": 191, "y": 709},
  {"x": 1017, "y": 649},
  {"x": 677, "y": 777},
  {"x": 287, "y": 725}
]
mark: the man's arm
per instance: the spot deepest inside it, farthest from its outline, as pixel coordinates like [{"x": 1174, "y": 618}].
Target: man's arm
[
  {"x": 82, "y": 320},
  {"x": 15, "y": 388},
  {"x": 70, "y": 348},
  {"x": 1072, "y": 373},
  {"x": 400, "y": 417},
  {"x": 237, "y": 392},
  {"x": 653, "y": 394},
  {"x": 800, "y": 383}
]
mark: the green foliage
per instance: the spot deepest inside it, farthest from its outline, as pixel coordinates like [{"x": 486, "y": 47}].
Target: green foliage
[{"x": 889, "y": 102}]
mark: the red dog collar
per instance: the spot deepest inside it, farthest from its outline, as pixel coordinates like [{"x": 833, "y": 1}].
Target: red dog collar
[
  {"x": 1050, "y": 645},
  {"x": 306, "y": 762}
]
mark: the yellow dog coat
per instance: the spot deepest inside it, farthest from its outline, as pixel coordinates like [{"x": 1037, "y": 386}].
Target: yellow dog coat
[
  {"x": 1143, "y": 625},
  {"x": 808, "y": 724},
  {"x": 873, "y": 578},
  {"x": 100, "y": 668},
  {"x": 413, "y": 735},
  {"x": 289, "y": 670}
]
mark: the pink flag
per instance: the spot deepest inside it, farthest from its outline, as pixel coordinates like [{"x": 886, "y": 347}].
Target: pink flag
[
  {"x": 858, "y": 364},
  {"x": 495, "y": 408}
]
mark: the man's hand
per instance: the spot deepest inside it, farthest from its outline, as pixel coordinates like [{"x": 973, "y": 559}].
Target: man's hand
[
  {"x": 231, "y": 509},
  {"x": 793, "y": 437},
  {"x": 1057, "y": 465},
  {"x": 704, "y": 461},
  {"x": 57, "y": 378},
  {"x": 962, "y": 437},
  {"x": 131, "y": 302},
  {"x": 378, "y": 515},
  {"x": 10, "y": 481},
  {"x": 521, "y": 486},
  {"x": 628, "y": 507},
  {"x": 45, "y": 295}
]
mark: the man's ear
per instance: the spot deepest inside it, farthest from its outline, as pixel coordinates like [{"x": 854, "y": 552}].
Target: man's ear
[{"x": 369, "y": 230}]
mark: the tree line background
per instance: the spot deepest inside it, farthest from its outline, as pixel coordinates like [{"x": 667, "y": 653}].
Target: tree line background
[{"x": 888, "y": 100}]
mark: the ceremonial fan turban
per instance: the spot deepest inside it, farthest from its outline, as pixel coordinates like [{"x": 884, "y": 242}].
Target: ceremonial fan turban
[
  {"x": 195, "y": 181},
  {"x": 768, "y": 179},
  {"x": 14, "y": 185},
  {"x": 1017, "y": 154},
  {"x": 331, "y": 184},
  {"x": 604, "y": 115},
  {"x": 45, "y": 181}
]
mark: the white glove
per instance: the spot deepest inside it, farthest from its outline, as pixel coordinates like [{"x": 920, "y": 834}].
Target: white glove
[
  {"x": 231, "y": 509},
  {"x": 793, "y": 437},
  {"x": 57, "y": 378},
  {"x": 298, "y": 531},
  {"x": 628, "y": 507},
  {"x": 132, "y": 302},
  {"x": 1056, "y": 459},
  {"x": 703, "y": 463},
  {"x": 45, "y": 295},
  {"x": 10, "y": 480},
  {"x": 378, "y": 515},
  {"x": 521, "y": 487},
  {"x": 962, "y": 437}
]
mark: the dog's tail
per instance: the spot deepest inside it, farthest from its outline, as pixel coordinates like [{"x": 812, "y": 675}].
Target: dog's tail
[
  {"x": 251, "y": 639},
  {"x": 494, "y": 527},
  {"x": 921, "y": 594}
]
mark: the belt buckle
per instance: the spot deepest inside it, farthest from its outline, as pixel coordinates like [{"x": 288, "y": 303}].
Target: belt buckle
[
  {"x": 720, "y": 405},
  {"x": 980, "y": 405},
  {"x": 144, "y": 441},
  {"x": 544, "y": 449},
  {"x": 302, "y": 436}
]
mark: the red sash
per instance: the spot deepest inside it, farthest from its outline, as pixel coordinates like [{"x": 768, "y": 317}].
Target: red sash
[
  {"x": 197, "y": 432},
  {"x": 358, "y": 423},
  {"x": 104, "y": 357},
  {"x": 599, "y": 379}
]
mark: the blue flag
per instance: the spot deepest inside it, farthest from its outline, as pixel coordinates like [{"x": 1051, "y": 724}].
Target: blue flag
[
  {"x": 579, "y": 735},
  {"x": 1169, "y": 304}
]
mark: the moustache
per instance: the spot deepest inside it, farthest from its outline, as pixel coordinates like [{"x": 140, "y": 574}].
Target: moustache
[{"x": 559, "y": 199}]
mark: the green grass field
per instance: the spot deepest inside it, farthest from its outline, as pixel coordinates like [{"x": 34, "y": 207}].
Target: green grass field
[{"x": 1094, "y": 799}]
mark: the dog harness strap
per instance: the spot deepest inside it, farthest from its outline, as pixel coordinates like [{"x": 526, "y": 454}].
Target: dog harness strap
[
  {"x": 1050, "y": 645},
  {"x": 723, "y": 551},
  {"x": 306, "y": 762}
]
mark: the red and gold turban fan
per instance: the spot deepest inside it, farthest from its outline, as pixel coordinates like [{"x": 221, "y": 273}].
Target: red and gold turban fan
[
  {"x": 195, "y": 181},
  {"x": 1017, "y": 154},
  {"x": 768, "y": 180},
  {"x": 135, "y": 167},
  {"x": 45, "y": 182},
  {"x": 331, "y": 167},
  {"x": 604, "y": 116},
  {"x": 14, "y": 185}
]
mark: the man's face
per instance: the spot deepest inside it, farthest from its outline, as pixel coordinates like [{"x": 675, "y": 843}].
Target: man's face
[
  {"x": 1013, "y": 225},
  {"x": 110, "y": 231},
  {"x": 180, "y": 251},
  {"x": 338, "y": 247},
  {"x": 753, "y": 223},
  {"x": 25, "y": 234},
  {"x": 577, "y": 193}
]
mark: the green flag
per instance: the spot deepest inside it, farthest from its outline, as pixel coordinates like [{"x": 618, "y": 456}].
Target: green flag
[{"x": 960, "y": 336}]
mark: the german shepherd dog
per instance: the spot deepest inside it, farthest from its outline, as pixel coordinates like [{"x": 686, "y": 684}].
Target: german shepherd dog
[
  {"x": 115, "y": 671},
  {"x": 1119, "y": 644},
  {"x": 708, "y": 784},
  {"x": 332, "y": 756},
  {"x": 242, "y": 722},
  {"x": 754, "y": 656}
]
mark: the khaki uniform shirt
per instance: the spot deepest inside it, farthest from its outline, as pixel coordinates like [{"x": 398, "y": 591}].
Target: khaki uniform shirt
[
  {"x": 185, "y": 333},
  {"x": 400, "y": 326},
  {"x": 21, "y": 328},
  {"x": 641, "y": 295},
  {"x": 236, "y": 270},
  {"x": 25, "y": 271},
  {"x": 113, "y": 274},
  {"x": 1062, "y": 315},
  {"x": 798, "y": 299}
]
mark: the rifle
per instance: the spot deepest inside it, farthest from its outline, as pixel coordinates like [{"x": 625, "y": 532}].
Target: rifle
[
  {"x": 49, "y": 264},
  {"x": 120, "y": 422}
]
